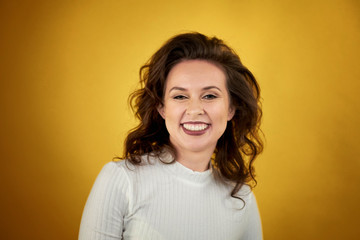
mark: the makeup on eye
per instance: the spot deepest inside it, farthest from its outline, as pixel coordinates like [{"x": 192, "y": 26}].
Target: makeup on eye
[
  {"x": 179, "y": 97},
  {"x": 210, "y": 96}
]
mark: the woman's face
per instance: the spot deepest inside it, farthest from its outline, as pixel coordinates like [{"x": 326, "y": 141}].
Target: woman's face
[{"x": 196, "y": 105}]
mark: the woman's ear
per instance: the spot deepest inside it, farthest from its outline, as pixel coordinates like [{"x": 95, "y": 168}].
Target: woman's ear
[
  {"x": 231, "y": 113},
  {"x": 161, "y": 110}
]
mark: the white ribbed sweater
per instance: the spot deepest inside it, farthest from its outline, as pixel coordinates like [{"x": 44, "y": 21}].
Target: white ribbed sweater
[{"x": 166, "y": 201}]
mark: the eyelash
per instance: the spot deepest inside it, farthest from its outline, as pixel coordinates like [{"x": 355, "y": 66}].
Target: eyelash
[
  {"x": 210, "y": 96},
  {"x": 179, "y": 97}
]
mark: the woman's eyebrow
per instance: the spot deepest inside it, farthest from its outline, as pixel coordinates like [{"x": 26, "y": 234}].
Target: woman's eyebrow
[
  {"x": 184, "y": 89},
  {"x": 177, "y": 88},
  {"x": 211, "y": 87}
]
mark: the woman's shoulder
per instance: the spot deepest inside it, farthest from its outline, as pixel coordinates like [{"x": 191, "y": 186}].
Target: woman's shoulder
[
  {"x": 113, "y": 168},
  {"x": 127, "y": 167},
  {"x": 117, "y": 170},
  {"x": 112, "y": 173},
  {"x": 246, "y": 193}
]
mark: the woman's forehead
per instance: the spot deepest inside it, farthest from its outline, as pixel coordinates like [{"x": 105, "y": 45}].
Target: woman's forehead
[{"x": 195, "y": 74}]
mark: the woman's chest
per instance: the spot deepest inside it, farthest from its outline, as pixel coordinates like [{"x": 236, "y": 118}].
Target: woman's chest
[{"x": 179, "y": 210}]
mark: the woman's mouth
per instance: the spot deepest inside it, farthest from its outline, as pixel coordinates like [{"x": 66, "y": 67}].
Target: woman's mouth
[{"x": 195, "y": 128}]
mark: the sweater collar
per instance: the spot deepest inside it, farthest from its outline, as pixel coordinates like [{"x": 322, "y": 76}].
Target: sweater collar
[{"x": 183, "y": 172}]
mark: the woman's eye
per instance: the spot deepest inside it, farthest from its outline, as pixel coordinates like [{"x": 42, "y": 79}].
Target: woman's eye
[
  {"x": 179, "y": 97},
  {"x": 210, "y": 96}
]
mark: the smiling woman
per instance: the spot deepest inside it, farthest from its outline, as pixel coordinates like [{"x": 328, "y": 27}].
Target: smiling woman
[{"x": 187, "y": 169}]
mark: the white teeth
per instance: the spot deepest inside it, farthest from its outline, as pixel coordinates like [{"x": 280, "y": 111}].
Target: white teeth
[{"x": 195, "y": 127}]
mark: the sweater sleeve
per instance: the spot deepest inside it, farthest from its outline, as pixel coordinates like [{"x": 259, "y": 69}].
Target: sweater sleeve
[
  {"x": 254, "y": 229},
  {"x": 106, "y": 205}
]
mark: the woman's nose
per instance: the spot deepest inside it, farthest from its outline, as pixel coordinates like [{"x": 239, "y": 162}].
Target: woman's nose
[{"x": 195, "y": 107}]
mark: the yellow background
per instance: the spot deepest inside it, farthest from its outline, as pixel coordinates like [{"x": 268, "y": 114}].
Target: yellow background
[{"x": 67, "y": 68}]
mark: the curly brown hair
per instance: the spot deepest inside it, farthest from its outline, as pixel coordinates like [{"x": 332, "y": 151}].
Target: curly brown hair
[{"x": 240, "y": 144}]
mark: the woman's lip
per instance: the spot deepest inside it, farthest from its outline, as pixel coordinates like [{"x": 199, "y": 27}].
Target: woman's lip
[
  {"x": 196, "y": 122},
  {"x": 195, "y": 132}
]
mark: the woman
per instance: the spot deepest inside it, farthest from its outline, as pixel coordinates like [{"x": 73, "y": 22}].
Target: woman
[{"x": 188, "y": 165}]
